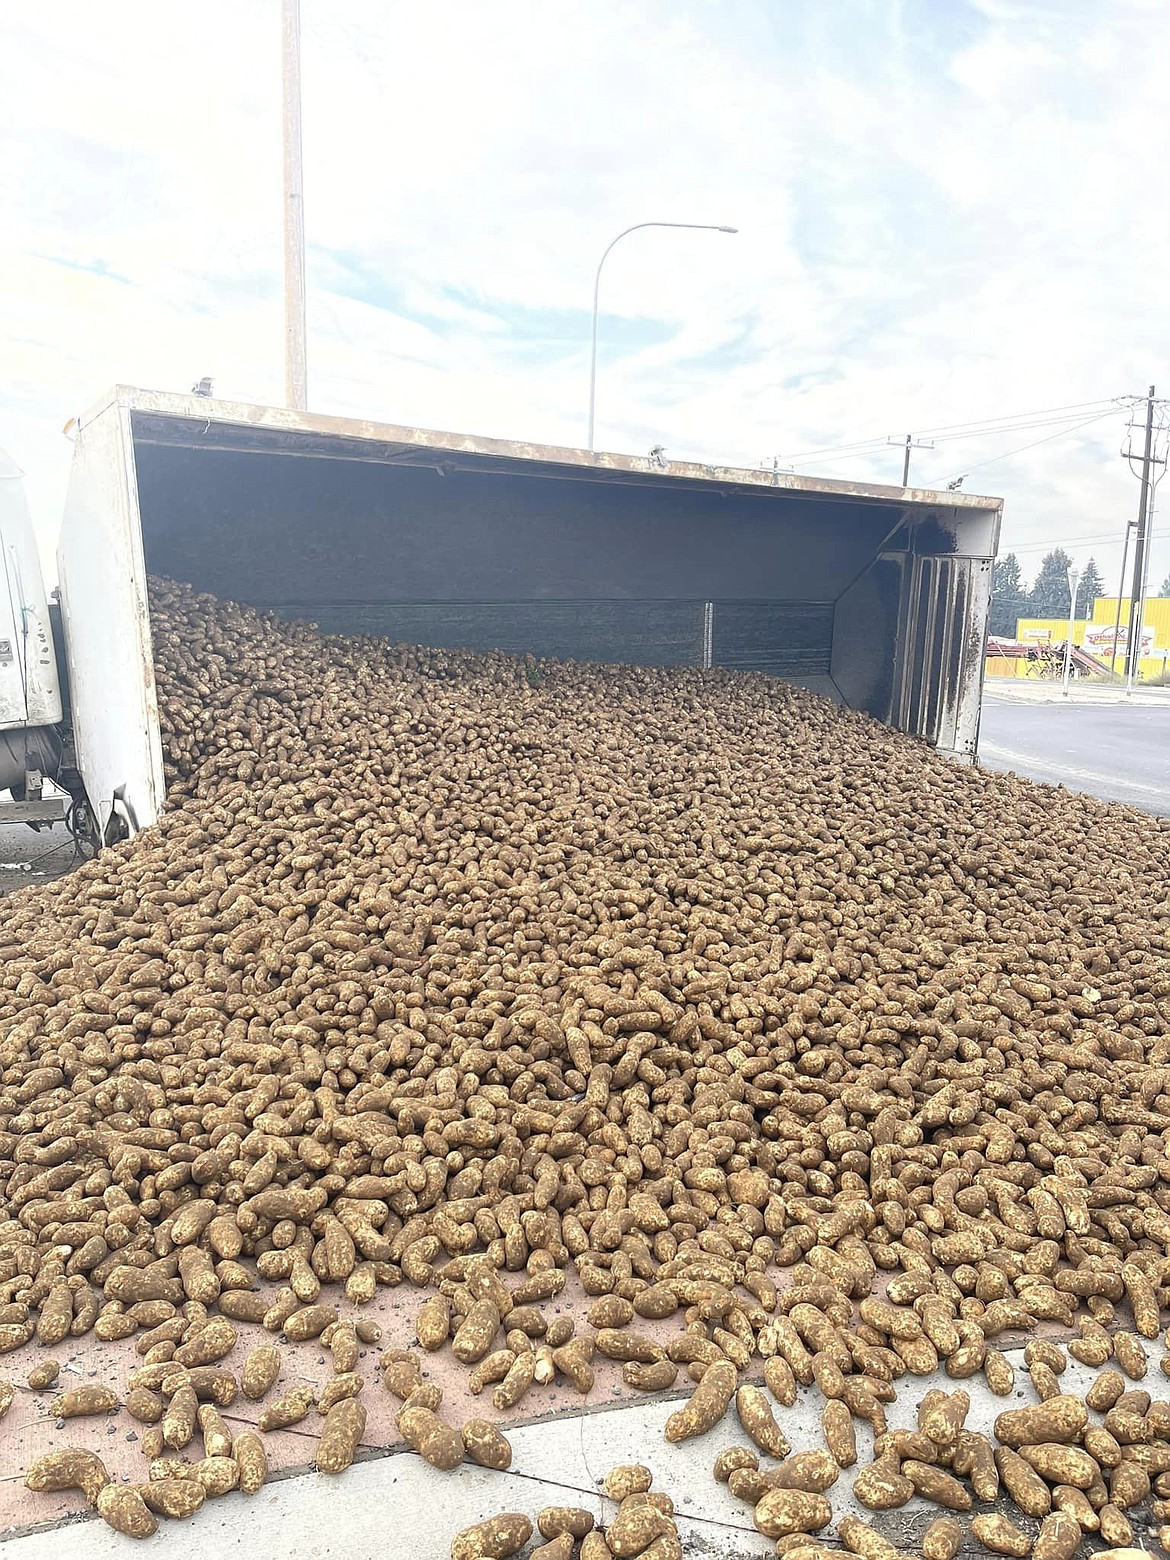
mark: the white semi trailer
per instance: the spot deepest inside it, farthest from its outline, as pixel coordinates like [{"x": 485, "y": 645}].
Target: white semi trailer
[{"x": 875, "y": 596}]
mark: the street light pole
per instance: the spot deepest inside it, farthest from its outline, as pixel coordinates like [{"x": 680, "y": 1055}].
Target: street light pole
[
  {"x": 705, "y": 227},
  {"x": 1074, "y": 579},
  {"x": 296, "y": 391}
]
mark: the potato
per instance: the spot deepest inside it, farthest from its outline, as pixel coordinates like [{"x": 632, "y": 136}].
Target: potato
[
  {"x": 707, "y": 1404},
  {"x": 555, "y": 1520},
  {"x": 345, "y": 1424},
  {"x": 123, "y": 1507},
  {"x": 432, "y": 1326},
  {"x": 434, "y": 1441},
  {"x": 486, "y": 1445},
  {"x": 179, "y": 1420},
  {"x": 659, "y": 1377},
  {"x": 732, "y": 1458},
  {"x": 217, "y": 1475},
  {"x": 1061, "y": 1418},
  {"x": 252, "y": 1461},
  {"x": 792, "y": 1511},
  {"x": 813, "y": 1472},
  {"x": 1022, "y": 1483},
  {"x": 288, "y": 1410},
  {"x": 173, "y": 1498},
  {"x": 635, "y": 1528},
  {"x": 476, "y": 1332},
  {"x": 881, "y": 1486},
  {"x": 78, "y": 1402},
  {"x": 995, "y": 1532},
  {"x": 942, "y": 1540},
  {"x": 840, "y": 1436},
  {"x": 627, "y": 1479},
  {"x": 934, "y": 1484},
  {"x": 1061, "y": 1464},
  {"x": 758, "y": 1421},
  {"x": 559, "y": 1548},
  {"x": 69, "y": 1469},
  {"x": 860, "y": 1539},
  {"x": 210, "y": 1343},
  {"x": 496, "y": 1539},
  {"x": 260, "y": 1371},
  {"x": 1059, "y": 1538}
]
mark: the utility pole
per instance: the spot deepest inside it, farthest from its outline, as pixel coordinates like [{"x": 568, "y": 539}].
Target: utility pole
[
  {"x": 296, "y": 388},
  {"x": 910, "y": 444},
  {"x": 1133, "y": 649}
]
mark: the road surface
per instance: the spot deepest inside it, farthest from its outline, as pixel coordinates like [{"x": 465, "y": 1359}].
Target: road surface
[{"x": 1120, "y": 753}]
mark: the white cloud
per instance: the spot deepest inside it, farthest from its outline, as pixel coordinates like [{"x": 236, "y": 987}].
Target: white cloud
[{"x": 944, "y": 217}]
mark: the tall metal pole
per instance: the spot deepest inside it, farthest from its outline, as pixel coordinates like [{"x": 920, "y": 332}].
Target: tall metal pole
[
  {"x": 296, "y": 385},
  {"x": 1140, "y": 545},
  {"x": 1129, "y": 526},
  {"x": 906, "y": 464},
  {"x": 1074, "y": 579},
  {"x": 707, "y": 227}
]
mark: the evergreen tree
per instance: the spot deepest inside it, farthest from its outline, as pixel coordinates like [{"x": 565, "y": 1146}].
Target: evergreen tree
[
  {"x": 1090, "y": 588},
  {"x": 1048, "y": 597},
  {"x": 1009, "y": 600},
  {"x": 1165, "y": 591}
]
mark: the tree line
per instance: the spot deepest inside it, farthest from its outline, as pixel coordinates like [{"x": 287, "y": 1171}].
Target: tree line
[{"x": 1047, "y": 597}]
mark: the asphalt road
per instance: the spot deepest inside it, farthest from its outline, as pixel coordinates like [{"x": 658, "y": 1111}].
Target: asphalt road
[{"x": 1120, "y": 753}]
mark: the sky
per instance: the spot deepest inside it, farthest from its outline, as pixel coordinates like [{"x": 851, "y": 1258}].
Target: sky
[{"x": 949, "y": 212}]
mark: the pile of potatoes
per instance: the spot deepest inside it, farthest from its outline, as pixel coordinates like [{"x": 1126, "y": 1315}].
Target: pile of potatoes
[{"x": 461, "y": 970}]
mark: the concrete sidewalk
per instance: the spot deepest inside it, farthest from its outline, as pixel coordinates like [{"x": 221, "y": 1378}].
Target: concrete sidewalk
[
  {"x": 396, "y": 1507},
  {"x": 1022, "y": 690}
]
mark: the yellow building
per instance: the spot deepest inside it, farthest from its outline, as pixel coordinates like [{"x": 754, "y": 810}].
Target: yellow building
[{"x": 1095, "y": 636}]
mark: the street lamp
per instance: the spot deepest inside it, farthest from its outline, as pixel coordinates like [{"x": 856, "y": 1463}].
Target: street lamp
[
  {"x": 1074, "y": 579},
  {"x": 706, "y": 227}
]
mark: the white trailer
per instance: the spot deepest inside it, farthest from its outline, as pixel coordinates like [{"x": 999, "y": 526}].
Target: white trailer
[{"x": 875, "y": 596}]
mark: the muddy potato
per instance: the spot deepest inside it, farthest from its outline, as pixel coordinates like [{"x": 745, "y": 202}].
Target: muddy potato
[
  {"x": 935, "y": 1484},
  {"x": 123, "y": 1508},
  {"x": 995, "y": 1532},
  {"x": 1059, "y": 1537},
  {"x": 942, "y": 1540},
  {"x": 733, "y": 1458},
  {"x": 792, "y": 1511},
  {"x": 72, "y": 1468},
  {"x": 1062, "y": 1418},
  {"x": 706, "y": 1405},
  {"x": 813, "y": 1472},
  {"x": 559, "y": 1548},
  {"x": 881, "y": 1486},
  {"x": 79, "y": 1402},
  {"x": 659, "y": 1377},
  {"x": 496, "y": 1539},
  {"x": 1023, "y": 1484},
  {"x": 345, "y": 1424},
  {"x": 840, "y": 1435},
  {"x": 1061, "y": 1464},
  {"x": 476, "y": 1332},
  {"x": 573, "y": 1520},
  {"x": 432, "y": 1326},
  {"x": 861, "y": 1539},
  {"x": 251, "y": 1459},
  {"x": 627, "y": 1479},
  {"x": 486, "y": 1445},
  {"x": 288, "y": 1410},
  {"x": 43, "y": 1374},
  {"x": 217, "y": 1475},
  {"x": 759, "y": 1423},
  {"x": 434, "y": 1441},
  {"x": 635, "y": 1528},
  {"x": 173, "y": 1498}
]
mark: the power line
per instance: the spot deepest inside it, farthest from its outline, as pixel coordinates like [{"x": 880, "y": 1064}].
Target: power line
[
  {"x": 1007, "y": 454},
  {"x": 1004, "y": 424}
]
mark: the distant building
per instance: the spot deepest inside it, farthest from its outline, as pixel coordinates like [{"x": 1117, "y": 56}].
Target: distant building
[{"x": 1033, "y": 652}]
